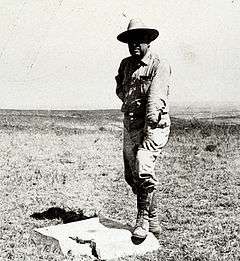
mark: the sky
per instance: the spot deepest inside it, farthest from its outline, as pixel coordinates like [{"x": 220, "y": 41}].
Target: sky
[{"x": 63, "y": 54}]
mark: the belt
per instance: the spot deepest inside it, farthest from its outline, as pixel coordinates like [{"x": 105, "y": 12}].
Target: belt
[{"x": 134, "y": 115}]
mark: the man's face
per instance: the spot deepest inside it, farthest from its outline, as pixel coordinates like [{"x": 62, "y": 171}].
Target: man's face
[{"x": 138, "y": 48}]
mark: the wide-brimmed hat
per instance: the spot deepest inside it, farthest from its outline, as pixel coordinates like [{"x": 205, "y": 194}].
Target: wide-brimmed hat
[{"x": 138, "y": 30}]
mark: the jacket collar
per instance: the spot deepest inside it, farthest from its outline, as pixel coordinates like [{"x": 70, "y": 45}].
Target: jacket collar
[{"x": 147, "y": 57}]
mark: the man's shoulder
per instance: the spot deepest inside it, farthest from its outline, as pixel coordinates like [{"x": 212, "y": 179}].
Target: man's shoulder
[
  {"x": 160, "y": 62},
  {"x": 126, "y": 60}
]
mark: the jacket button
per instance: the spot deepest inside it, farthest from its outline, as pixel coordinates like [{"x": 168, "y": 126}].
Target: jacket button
[{"x": 131, "y": 114}]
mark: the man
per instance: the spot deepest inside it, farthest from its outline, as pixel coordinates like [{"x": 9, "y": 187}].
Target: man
[{"x": 142, "y": 85}]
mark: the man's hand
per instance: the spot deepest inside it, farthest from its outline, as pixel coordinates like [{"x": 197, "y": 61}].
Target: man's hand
[
  {"x": 149, "y": 144},
  {"x": 152, "y": 119}
]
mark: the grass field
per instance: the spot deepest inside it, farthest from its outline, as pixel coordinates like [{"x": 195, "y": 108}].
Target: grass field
[{"x": 58, "y": 167}]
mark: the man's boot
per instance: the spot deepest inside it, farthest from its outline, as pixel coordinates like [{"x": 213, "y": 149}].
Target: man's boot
[
  {"x": 142, "y": 223},
  {"x": 154, "y": 225}
]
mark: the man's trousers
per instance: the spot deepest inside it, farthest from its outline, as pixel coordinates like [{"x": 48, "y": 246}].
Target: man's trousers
[{"x": 139, "y": 160}]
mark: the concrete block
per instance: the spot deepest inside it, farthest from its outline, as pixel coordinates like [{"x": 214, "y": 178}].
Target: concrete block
[{"x": 90, "y": 237}]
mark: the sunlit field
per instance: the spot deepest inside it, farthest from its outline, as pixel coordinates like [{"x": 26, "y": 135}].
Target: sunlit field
[{"x": 59, "y": 167}]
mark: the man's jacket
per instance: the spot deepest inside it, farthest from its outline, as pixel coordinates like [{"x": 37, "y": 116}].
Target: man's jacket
[{"x": 143, "y": 88}]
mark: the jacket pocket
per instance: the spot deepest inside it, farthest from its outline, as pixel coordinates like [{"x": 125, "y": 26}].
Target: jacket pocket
[{"x": 145, "y": 82}]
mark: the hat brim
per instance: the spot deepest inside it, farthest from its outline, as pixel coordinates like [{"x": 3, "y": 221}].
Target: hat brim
[{"x": 147, "y": 34}]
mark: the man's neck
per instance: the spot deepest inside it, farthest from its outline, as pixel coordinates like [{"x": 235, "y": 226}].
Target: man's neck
[{"x": 143, "y": 58}]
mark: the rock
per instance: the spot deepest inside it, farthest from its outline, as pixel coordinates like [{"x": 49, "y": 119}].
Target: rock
[
  {"x": 210, "y": 147},
  {"x": 90, "y": 237},
  {"x": 102, "y": 129}
]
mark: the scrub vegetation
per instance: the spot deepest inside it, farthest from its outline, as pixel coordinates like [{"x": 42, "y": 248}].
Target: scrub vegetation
[{"x": 58, "y": 167}]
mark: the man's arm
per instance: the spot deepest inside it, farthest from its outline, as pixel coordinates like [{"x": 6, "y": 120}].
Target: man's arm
[
  {"x": 158, "y": 94},
  {"x": 119, "y": 80},
  {"x": 157, "y": 109}
]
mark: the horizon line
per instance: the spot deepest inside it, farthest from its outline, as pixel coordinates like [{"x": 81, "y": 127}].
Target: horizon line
[{"x": 179, "y": 105}]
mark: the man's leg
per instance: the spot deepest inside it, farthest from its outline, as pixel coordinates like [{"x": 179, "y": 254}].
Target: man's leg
[
  {"x": 146, "y": 161},
  {"x": 140, "y": 175},
  {"x": 155, "y": 139},
  {"x": 147, "y": 182},
  {"x": 154, "y": 225},
  {"x": 130, "y": 148},
  {"x": 142, "y": 223},
  {"x": 128, "y": 168}
]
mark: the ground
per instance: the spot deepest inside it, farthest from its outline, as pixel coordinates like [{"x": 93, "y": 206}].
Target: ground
[{"x": 58, "y": 167}]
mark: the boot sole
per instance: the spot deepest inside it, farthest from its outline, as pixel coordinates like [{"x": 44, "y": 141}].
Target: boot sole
[{"x": 137, "y": 240}]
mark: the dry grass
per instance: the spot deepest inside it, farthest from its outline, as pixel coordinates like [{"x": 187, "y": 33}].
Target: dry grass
[{"x": 74, "y": 165}]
